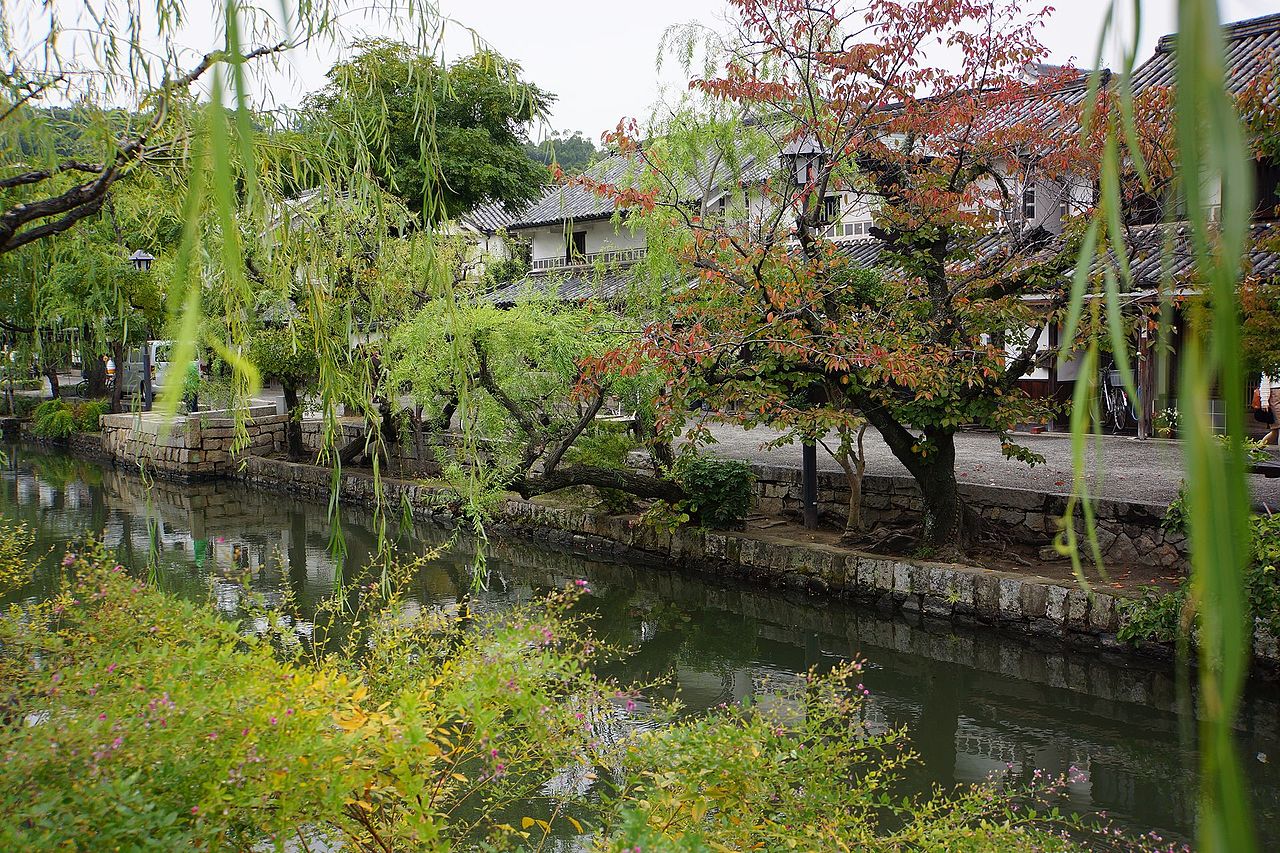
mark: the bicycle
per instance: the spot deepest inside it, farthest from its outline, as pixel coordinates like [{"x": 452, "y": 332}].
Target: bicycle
[{"x": 1117, "y": 408}]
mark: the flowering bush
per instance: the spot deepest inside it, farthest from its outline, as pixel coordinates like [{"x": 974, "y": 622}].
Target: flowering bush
[{"x": 130, "y": 719}]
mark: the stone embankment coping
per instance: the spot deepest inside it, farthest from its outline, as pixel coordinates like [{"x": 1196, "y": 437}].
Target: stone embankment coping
[{"x": 1026, "y": 605}]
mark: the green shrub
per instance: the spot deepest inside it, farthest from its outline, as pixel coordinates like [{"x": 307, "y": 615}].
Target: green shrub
[
  {"x": 605, "y": 445},
  {"x": 1158, "y": 614},
  {"x": 152, "y": 724},
  {"x": 53, "y": 419},
  {"x": 88, "y": 414},
  {"x": 719, "y": 491},
  {"x": 24, "y": 405},
  {"x": 16, "y": 541}
]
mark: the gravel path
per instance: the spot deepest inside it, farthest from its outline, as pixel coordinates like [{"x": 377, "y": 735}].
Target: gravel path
[{"x": 1138, "y": 471}]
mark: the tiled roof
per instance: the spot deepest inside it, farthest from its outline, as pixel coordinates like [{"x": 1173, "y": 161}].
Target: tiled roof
[
  {"x": 1151, "y": 263},
  {"x": 606, "y": 286},
  {"x": 572, "y": 201},
  {"x": 1148, "y": 261},
  {"x": 491, "y": 217},
  {"x": 1252, "y": 46}
]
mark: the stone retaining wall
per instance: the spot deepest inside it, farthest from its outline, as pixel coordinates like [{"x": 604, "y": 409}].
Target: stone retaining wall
[
  {"x": 1128, "y": 533},
  {"x": 196, "y": 446},
  {"x": 969, "y": 595}
]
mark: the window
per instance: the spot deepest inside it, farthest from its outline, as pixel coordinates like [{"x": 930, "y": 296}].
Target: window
[
  {"x": 1029, "y": 202},
  {"x": 831, "y": 208},
  {"x": 861, "y": 228},
  {"x": 576, "y": 247}
]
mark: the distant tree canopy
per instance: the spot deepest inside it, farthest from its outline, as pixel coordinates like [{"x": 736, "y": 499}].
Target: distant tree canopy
[
  {"x": 482, "y": 111},
  {"x": 571, "y": 152}
]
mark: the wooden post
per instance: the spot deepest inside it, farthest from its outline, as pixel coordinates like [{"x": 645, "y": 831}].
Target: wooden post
[
  {"x": 1146, "y": 379},
  {"x": 809, "y": 483}
]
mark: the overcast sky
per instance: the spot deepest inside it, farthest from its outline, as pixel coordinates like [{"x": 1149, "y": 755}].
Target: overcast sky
[{"x": 599, "y": 57}]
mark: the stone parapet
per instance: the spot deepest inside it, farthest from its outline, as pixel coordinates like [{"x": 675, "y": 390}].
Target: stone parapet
[{"x": 198, "y": 446}]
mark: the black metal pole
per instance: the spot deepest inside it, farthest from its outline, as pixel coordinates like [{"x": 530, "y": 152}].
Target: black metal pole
[
  {"x": 147, "y": 394},
  {"x": 809, "y": 483}
]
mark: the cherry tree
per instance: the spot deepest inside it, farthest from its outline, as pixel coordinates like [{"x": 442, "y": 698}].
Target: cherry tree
[{"x": 935, "y": 120}]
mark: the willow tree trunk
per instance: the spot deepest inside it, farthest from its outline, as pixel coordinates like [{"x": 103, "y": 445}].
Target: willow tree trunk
[
  {"x": 94, "y": 373},
  {"x": 51, "y": 373},
  {"x": 293, "y": 426}
]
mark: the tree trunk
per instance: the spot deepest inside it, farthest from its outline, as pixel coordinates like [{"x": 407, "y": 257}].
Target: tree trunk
[
  {"x": 602, "y": 478},
  {"x": 95, "y": 375},
  {"x": 853, "y": 461},
  {"x": 945, "y": 532},
  {"x": 293, "y": 427},
  {"x": 52, "y": 374}
]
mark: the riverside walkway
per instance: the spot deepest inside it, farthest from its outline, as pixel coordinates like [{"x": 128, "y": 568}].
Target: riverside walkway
[{"x": 1139, "y": 471}]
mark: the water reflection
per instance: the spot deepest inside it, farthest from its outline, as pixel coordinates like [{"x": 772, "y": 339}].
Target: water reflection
[{"x": 975, "y": 702}]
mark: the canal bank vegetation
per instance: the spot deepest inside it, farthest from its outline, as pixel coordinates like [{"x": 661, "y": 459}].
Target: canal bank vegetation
[
  {"x": 130, "y": 719},
  {"x": 57, "y": 419},
  {"x": 1165, "y": 616}
]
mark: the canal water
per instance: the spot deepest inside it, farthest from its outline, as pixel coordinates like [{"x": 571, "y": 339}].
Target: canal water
[{"x": 975, "y": 702}]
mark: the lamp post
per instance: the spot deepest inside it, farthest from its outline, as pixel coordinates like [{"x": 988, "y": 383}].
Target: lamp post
[
  {"x": 803, "y": 160},
  {"x": 142, "y": 263}
]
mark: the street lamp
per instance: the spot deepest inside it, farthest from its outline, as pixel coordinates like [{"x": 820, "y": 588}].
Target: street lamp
[
  {"x": 803, "y": 160},
  {"x": 141, "y": 261}
]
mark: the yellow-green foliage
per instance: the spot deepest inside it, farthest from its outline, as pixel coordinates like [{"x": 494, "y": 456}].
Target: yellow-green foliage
[
  {"x": 159, "y": 726},
  {"x": 132, "y": 720},
  {"x": 15, "y": 546}
]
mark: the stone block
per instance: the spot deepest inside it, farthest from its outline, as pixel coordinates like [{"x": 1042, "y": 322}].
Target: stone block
[
  {"x": 1056, "y": 604},
  {"x": 1102, "y": 613},
  {"x": 884, "y": 576},
  {"x": 1010, "y": 598},
  {"x": 904, "y": 578},
  {"x": 1035, "y": 599},
  {"x": 1078, "y": 609},
  {"x": 986, "y": 595}
]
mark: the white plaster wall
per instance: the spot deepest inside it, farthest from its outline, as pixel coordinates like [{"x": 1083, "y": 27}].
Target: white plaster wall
[
  {"x": 1018, "y": 339},
  {"x": 602, "y": 236}
]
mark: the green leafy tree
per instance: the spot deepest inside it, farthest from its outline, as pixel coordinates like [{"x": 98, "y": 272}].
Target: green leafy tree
[
  {"x": 572, "y": 152},
  {"x": 530, "y": 396},
  {"x": 289, "y": 357},
  {"x": 474, "y": 151}
]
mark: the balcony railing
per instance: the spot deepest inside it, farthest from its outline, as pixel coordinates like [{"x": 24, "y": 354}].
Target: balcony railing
[{"x": 610, "y": 258}]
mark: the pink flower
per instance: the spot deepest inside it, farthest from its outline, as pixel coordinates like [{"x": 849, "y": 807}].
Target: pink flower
[
  {"x": 273, "y": 721},
  {"x": 195, "y": 810},
  {"x": 102, "y": 716},
  {"x": 631, "y": 704},
  {"x": 68, "y": 559}
]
